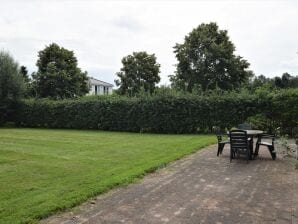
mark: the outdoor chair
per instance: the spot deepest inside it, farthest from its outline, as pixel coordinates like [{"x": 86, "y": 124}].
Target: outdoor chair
[
  {"x": 221, "y": 139},
  {"x": 239, "y": 144},
  {"x": 268, "y": 141},
  {"x": 221, "y": 143}
]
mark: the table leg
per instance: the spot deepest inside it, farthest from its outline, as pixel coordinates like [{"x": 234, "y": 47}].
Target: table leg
[
  {"x": 257, "y": 147},
  {"x": 251, "y": 147}
]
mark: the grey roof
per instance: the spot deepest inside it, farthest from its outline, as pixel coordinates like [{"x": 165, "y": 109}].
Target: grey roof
[{"x": 94, "y": 81}]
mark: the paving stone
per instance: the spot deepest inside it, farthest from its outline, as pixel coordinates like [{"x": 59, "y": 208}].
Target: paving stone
[{"x": 200, "y": 188}]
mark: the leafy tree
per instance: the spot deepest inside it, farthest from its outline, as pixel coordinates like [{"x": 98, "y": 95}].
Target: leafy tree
[
  {"x": 206, "y": 60},
  {"x": 294, "y": 82},
  {"x": 278, "y": 82},
  {"x": 29, "y": 88},
  {"x": 11, "y": 85},
  {"x": 24, "y": 72},
  {"x": 286, "y": 81},
  {"x": 261, "y": 82},
  {"x": 58, "y": 75},
  {"x": 139, "y": 72},
  {"x": 283, "y": 82}
]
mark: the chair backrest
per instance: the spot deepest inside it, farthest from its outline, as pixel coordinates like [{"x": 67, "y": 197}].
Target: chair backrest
[
  {"x": 244, "y": 126},
  {"x": 238, "y": 139}
]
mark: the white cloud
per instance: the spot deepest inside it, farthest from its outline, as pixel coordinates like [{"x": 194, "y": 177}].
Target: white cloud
[{"x": 102, "y": 32}]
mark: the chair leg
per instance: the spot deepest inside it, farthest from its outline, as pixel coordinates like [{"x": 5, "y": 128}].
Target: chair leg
[
  {"x": 222, "y": 147},
  {"x": 257, "y": 150},
  {"x": 231, "y": 154},
  {"x": 272, "y": 153},
  {"x": 251, "y": 150},
  {"x": 251, "y": 145}
]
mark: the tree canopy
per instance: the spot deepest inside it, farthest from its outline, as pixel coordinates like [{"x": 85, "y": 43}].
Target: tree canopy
[
  {"x": 207, "y": 60},
  {"x": 286, "y": 81},
  {"x": 11, "y": 84},
  {"x": 11, "y": 80},
  {"x": 58, "y": 75},
  {"x": 283, "y": 82},
  {"x": 24, "y": 72},
  {"x": 140, "y": 71}
]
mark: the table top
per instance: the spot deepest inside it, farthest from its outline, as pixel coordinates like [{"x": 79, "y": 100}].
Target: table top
[{"x": 253, "y": 132}]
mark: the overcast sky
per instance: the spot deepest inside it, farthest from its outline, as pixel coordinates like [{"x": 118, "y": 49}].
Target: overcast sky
[{"x": 101, "y": 33}]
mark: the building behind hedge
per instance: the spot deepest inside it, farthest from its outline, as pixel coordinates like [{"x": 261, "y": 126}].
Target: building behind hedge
[{"x": 98, "y": 87}]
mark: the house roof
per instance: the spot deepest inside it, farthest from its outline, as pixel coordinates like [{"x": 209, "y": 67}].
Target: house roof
[{"x": 94, "y": 81}]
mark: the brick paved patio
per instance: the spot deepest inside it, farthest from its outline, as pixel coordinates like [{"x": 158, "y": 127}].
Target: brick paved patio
[{"x": 200, "y": 188}]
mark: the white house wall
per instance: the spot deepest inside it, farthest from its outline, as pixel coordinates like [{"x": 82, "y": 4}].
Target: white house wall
[
  {"x": 92, "y": 90},
  {"x": 100, "y": 90}
]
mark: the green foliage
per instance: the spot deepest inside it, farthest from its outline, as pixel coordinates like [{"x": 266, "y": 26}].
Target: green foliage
[
  {"x": 279, "y": 110},
  {"x": 58, "y": 75},
  {"x": 206, "y": 60},
  {"x": 284, "y": 110},
  {"x": 161, "y": 114},
  {"x": 11, "y": 86},
  {"x": 261, "y": 122},
  {"x": 260, "y": 83},
  {"x": 286, "y": 81},
  {"x": 173, "y": 112},
  {"x": 139, "y": 72},
  {"x": 44, "y": 171},
  {"x": 24, "y": 72},
  {"x": 29, "y": 90}
]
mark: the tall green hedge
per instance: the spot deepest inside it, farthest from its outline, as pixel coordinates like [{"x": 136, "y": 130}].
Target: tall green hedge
[
  {"x": 160, "y": 114},
  {"x": 7, "y": 109}
]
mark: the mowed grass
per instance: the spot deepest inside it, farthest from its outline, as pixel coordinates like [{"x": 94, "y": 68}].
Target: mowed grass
[{"x": 43, "y": 171}]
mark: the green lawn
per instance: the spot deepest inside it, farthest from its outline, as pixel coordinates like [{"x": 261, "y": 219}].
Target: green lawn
[{"x": 43, "y": 171}]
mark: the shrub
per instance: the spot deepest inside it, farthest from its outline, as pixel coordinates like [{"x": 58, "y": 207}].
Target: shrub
[
  {"x": 284, "y": 110},
  {"x": 161, "y": 113}
]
